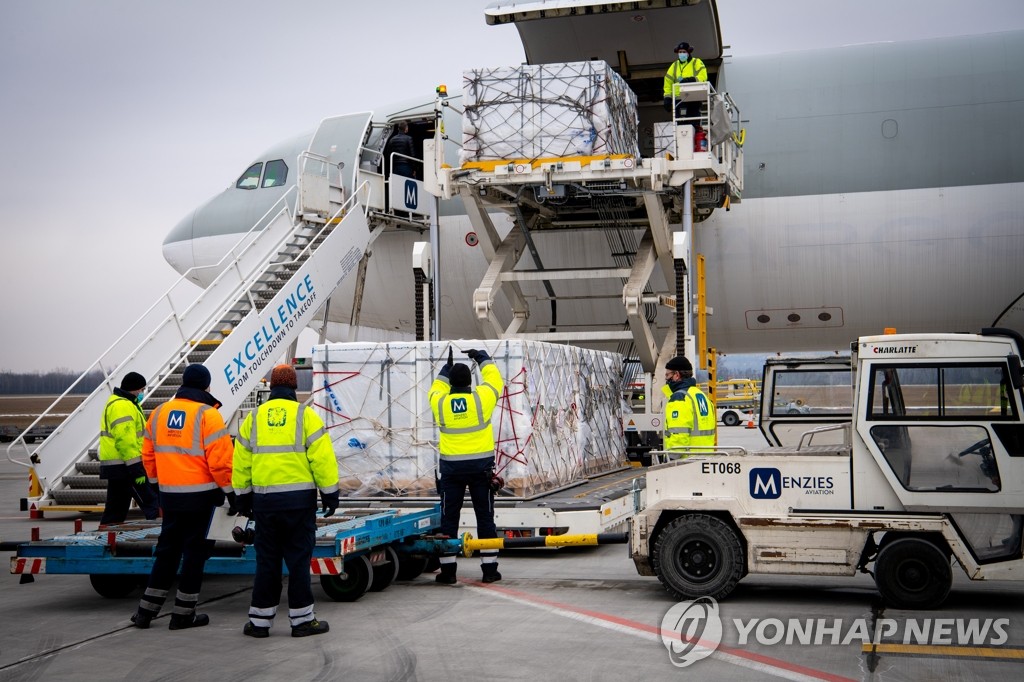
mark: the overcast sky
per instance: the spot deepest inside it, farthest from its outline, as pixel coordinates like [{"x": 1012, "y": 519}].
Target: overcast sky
[{"x": 117, "y": 117}]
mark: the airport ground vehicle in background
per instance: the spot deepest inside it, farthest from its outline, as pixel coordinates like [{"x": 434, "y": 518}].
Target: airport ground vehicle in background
[{"x": 930, "y": 469}]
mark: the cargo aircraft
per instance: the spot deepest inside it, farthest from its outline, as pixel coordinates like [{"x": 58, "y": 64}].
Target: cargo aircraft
[{"x": 884, "y": 187}]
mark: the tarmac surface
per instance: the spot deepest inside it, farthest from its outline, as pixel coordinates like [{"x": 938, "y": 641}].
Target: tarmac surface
[{"x": 569, "y": 614}]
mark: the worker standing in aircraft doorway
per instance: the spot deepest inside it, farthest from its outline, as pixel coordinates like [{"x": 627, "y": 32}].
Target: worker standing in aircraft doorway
[
  {"x": 690, "y": 417},
  {"x": 466, "y": 446},
  {"x": 685, "y": 68},
  {"x": 120, "y": 453},
  {"x": 404, "y": 150}
]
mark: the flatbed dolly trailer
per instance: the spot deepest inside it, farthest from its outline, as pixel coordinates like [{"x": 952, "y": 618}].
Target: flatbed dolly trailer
[
  {"x": 356, "y": 551},
  {"x": 359, "y": 550},
  {"x": 929, "y": 472},
  {"x": 602, "y": 503}
]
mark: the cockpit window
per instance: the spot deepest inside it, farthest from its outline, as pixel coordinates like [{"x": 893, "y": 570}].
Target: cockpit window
[
  {"x": 251, "y": 177},
  {"x": 276, "y": 175}
]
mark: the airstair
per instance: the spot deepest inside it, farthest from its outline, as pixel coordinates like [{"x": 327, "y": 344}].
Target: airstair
[
  {"x": 646, "y": 207},
  {"x": 271, "y": 286}
]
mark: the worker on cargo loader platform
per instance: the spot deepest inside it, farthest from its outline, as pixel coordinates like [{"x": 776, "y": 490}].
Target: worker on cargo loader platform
[
  {"x": 283, "y": 456},
  {"x": 187, "y": 455},
  {"x": 685, "y": 68},
  {"x": 463, "y": 417},
  {"x": 120, "y": 453},
  {"x": 690, "y": 417}
]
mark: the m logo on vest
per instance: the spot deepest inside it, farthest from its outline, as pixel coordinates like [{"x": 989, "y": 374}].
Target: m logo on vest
[
  {"x": 459, "y": 406},
  {"x": 176, "y": 420},
  {"x": 277, "y": 416}
]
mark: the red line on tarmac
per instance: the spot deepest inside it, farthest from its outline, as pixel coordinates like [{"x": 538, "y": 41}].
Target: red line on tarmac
[{"x": 657, "y": 631}]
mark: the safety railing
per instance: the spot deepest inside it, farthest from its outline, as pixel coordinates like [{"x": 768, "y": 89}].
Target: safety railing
[
  {"x": 167, "y": 313},
  {"x": 169, "y": 334}
]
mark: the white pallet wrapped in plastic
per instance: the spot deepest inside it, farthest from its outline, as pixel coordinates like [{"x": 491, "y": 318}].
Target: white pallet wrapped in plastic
[
  {"x": 664, "y": 139},
  {"x": 557, "y": 422},
  {"x": 537, "y": 111}
]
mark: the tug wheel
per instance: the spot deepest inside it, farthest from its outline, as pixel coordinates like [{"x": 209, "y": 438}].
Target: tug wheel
[
  {"x": 913, "y": 573},
  {"x": 697, "y": 555}
]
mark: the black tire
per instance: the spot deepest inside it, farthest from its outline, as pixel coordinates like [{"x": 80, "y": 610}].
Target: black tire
[
  {"x": 730, "y": 419},
  {"x": 384, "y": 574},
  {"x": 113, "y": 586},
  {"x": 359, "y": 576},
  {"x": 913, "y": 573},
  {"x": 697, "y": 555},
  {"x": 793, "y": 410},
  {"x": 410, "y": 566}
]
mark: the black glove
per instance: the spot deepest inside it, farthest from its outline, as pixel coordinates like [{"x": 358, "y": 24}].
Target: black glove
[
  {"x": 232, "y": 503},
  {"x": 497, "y": 482},
  {"x": 668, "y": 104},
  {"x": 447, "y": 369},
  {"x": 689, "y": 80},
  {"x": 330, "y": 502},
  {"x": 478, "y": 356},
  {"x": 243, "y": 503}
]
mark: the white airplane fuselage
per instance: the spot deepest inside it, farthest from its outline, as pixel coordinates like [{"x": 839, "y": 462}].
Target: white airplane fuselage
[{"x": 878, "y": 194}]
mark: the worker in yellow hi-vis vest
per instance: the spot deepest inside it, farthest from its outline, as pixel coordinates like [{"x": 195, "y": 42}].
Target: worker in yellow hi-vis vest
[
  {"x": 685, "y": 68},
  {"x": 690, "y": 417}
]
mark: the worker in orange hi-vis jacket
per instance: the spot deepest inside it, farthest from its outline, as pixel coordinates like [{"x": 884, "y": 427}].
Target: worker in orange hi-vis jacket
[{"x": 187, "y": 453}]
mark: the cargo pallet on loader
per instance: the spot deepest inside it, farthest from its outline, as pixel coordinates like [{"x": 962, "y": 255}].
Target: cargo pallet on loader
[{"x": 356, "y": 551}]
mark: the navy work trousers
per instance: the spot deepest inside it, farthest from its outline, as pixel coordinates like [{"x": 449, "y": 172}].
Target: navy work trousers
[
  {"x": 119, "y": 497},
  {"x": 288, "y": 535},
  {"x": 182, "y": 540},
  {"x": 452, "y": 488}
]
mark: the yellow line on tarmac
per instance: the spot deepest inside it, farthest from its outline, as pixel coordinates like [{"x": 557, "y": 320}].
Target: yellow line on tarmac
[{"x": 994, "y": 653}]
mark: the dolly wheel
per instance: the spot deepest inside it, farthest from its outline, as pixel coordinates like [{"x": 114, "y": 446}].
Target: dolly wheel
[{"x": 358, "y": 577}]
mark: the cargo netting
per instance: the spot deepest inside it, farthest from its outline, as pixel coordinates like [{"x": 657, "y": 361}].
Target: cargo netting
[
  {"x": 559, "y": 418},
  {"x": 547, "y": 111}
]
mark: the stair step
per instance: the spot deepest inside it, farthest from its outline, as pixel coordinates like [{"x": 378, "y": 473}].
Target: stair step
[
  {"x": 89, "y": 468},
  {"x": 74, "y": 482},
  {"x": 79, "y": 497}
]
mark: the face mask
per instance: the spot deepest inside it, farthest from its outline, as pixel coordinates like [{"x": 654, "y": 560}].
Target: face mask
[
  {"x": 683, "y": 56},
  {"x": 139, "y": 398}
]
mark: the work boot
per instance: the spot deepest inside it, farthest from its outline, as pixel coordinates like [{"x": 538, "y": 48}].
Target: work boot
[
  {"x": 447, "y": 574},
  {"x": 491, "y": 574},
  {"x": 255, "y": 630},
  {"x": 310, "y": 627},
  {"x": 184, "y": 621},
  {"x": 142, "y": 618}
]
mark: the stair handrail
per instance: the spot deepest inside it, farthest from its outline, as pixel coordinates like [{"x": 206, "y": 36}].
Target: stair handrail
[
  {"x": 245, "y": 288},
  {"x": 281, "y": 205}
]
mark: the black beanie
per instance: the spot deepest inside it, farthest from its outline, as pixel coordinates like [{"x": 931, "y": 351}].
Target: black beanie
[
  {"x": 460, "y": 376},
  {"x": 133, "y": 381},
  {"x": 679, "y": 364},
  {"x": 196, "y": 376}
]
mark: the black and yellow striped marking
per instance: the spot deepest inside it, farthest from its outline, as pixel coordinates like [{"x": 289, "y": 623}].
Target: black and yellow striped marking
[{"x": 471, "y": 544}]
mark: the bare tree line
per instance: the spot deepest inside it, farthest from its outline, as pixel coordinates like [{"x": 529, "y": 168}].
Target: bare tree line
[{"x": 53, "y": 382}]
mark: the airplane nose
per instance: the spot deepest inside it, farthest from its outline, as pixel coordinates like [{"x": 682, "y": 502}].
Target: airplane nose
[{"x": 177, "y": 248}]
